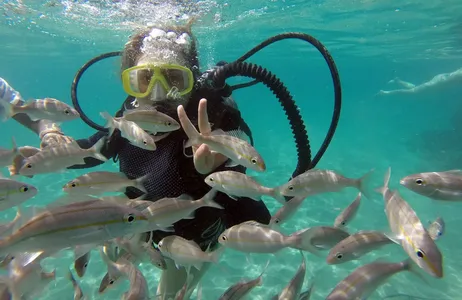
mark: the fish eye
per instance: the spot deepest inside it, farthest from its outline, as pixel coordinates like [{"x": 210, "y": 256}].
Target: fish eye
[
  {"x": 343, "y": 223},
  {"x": 29, "y": 166},
  {"x": 85, "y": 265},
  {"x": 168, "y": 123},
  {"x": 130, "y": 218},
  {"x": 290, "y": 188},
  {"x": 420, "y": 253},
  {"x": 253, "y": 161},
  {"x": 339, "y": 255},
  {"x": 67, "y": 112},
  {"x": 224, "y": 238},
  {"x": 277, "y": 221},
  {"x": 73, "y": 184},
  {"x": 211, "y": 178},
  {"x": 419, "y": 181},
  {"x": 111, "y": 282},
  {"x": 24, "y": 188},
  {"x": 145, "y": 142}
]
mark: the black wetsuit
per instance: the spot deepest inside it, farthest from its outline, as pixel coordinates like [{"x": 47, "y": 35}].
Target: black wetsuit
[{"x": 172, "y": 173}]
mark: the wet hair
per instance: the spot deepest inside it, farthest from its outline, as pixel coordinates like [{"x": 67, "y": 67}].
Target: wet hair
[{"x": 132, "y": 51}]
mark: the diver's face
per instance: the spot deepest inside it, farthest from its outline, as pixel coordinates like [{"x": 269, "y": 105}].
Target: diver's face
[{"x": 165, "y": 90}]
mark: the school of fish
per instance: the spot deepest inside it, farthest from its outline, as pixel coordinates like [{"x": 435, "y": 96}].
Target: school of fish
[{"x": 88, "y": 222}]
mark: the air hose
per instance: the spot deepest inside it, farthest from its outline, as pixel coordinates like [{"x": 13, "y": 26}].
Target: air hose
[{"x": 240, "y": 68}]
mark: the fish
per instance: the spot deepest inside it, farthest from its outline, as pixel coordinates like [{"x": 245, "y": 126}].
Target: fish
[
  {"x": 14, "y": 193},
  {"x": 325, "y": 237},
  {"x": 18, "y": 160},
  {"x": 57, "y": 158},
  {"x": 441, "y": 186},
  {"x": 111, "y": 280},
  {"x": 348, "y": 213},
  {"x": 7, "y": 228},
  {"x": 306, "y": 295},
  {"x": 131, "y": 131},
  {"x": 78, "y": 293},
  {"x": 239, "y": 151},
  {"x": 254, "y": 237},
  {"x": 7, "y": 155},
  {"x": 363, "y": 281},
  {"x": 151, "y": 120},
  {"x": 41, "y": 109},
  {"x": 167, "y": 211},
  {"x": 317, "y": 181},
  {"x": 139, "y": 289},
  {"x": 243, "y": 288},
  {"x": 81, "y": 223},
  {"x": 409, "y": 231},
  {"x": 186, "y": 253},
  {"x": 81, "y": 264},
  {"x": 99, "y": 182},
  {"x": 141, "y": 250},
  {"x": 237, "y": 184},
  {"x": 293, "y": 289},
  {"x": 357, "y": 245},
  {"x": 285, "y": 212},
  {"x": 436, "y": 228}
]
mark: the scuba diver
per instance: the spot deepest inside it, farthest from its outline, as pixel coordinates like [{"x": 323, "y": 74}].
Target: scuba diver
[{"x": 160, "y": 70}]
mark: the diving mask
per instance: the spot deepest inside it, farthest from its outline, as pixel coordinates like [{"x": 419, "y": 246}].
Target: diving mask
[{"x": 139, "y": 81}]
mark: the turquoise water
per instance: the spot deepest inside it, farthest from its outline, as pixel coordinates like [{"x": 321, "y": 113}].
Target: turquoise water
[{"x": 45, "y": 42}]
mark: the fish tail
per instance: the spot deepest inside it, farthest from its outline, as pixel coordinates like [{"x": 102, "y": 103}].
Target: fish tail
[
  {"x": 7, "y": 110},
  {"x": 301, "y": 240},
  {"x": 210, "y": 201},
  {"x": 15, "y": 146},
  {"x": 386, "y": 181},
  {"x": 364, "y": 183},
  {"x": 96, "y": 149},
  {"x": 216, "y": 255},
  {"x": 139, "y": 183},
  {"x": 274, "y": 192},
  {"x": 110, "y": 121}
]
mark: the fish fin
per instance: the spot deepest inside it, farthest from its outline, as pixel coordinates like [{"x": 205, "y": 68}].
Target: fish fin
[
  {"x": 95, "y": 150},
  {"x": 198, "y": 266},
  {"x": 301, "y": 240},
  {"x": 112, "y": 269},
  {"x": 82, "y": 250},
  {"x": 139, "y": 183},
  {"x": 277, "y": 195},
  {"x": 7, "y": 110},
  {"x": 110, "y": 121},
  {"x": 15, "y": 148},
  {"x": 28, "y": 151},
  {"x": 209, "y": 199},
  {"x": 230, "y": 164},
  {"x": 454, "y": 171},
  {"x": 255, "y": 198},
  {"x": 255, "y": 223},
  {"x": 216, "y": 255},
  {"x": 393, "y": 237},
  {"x": 167, "y": 229},
  {"x": 70, "y": 198},
  {"x": 218, "y": 132},
  {"x": 364, "y": 182},
  {"x": 27, "y": 213},
  {"x": 233, "y": 197},
  {"x": 386, "y": 181}
]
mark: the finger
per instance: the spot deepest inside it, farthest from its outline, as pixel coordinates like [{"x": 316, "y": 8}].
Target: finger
[
  {"x": 203, "y": 159},
  {"x": 186, "y": 124},
  {"x": 204, "y": 125}
]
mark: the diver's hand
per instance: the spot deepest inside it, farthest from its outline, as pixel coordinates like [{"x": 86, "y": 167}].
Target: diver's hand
[
  {"x": 54, "y": 139},
  {"x": 205, "y": 160}
]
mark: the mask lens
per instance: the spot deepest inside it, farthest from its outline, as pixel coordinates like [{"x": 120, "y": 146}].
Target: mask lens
[
  {"x": 176, "y": 78},
  {"x": 142, "y": 79}
]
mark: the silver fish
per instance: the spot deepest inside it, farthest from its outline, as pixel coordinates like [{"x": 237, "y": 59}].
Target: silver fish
[
  {"x": 322, "y": 181},
  {"x": 81, "y": 264},
  {"x": 81, "y": 223},
  {"x": 14, "y": 193},
  {"x": 99, "y": 182},
  {"x": 151, "y": 120},
  {"x": 141, "y": 249},
  {"x": 363, "y": 281},
  {"x": 41, "y": 109},
  {"x": 306, "y": 295},
  {"x": 167, "y": 211},
  {"x": 19, "y": 160},
  {"x": 242, "y": 288},
  {"x": 109, "y": 281},
  {"x": 57, "y": 158},
  {"x": 357, "y": 245},
  {"x": 293, "y": 289},
  {"x": 410, "y": 232},
  {"x": 444, "y": 186},
  {"x": 325, "y": 237},
  {"x": 7, "y": 155},
  {"x": 237, "y": 184},
  {"x": 78, "y": 293},
  {"x": 131, "y": 131},
  {"x": 286, "y": 212},
  {"x": 253, "y": 237},
  {"x": 348, "y": 213},
  {"x": 7, "y": 228},
  {"x": 237, "y": 150},
  {"x": 186, "y": 253},
  {"x": 436, "y": 228}
]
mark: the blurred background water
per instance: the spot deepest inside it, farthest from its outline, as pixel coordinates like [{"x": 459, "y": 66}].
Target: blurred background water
[{"x": 44, "y": 43}]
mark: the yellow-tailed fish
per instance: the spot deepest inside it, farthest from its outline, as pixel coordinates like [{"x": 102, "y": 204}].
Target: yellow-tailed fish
[
  {"x": 41, "y": 109},
  {"x": 443, "y": 186},
  {"x": 20, "y": 159},
  {"x": 131, "y": 131},
  {"x": 322, "y": 181},
  {"x": 7, "y": 155},
  {"x": 237, "y": 150},
  {"x": 357, "y": 245},
  {"x": 348, "y": 213},
  {"x": 81, "y": 264},
  {"x": 410, "y": 232},
  {"x": 110, "y": 281},
  {"x": 14, "y": 193},
  {"x": 237, "y": 184},
  {"x": 56, "y": 158},
  {"x": 80, "y": 223},
  {"x": 151, "y": 120},
  {"x": 363, "y": 281},
  {"x": 293, "y": 289},
  {"x": 254, "y": 237},
  {"x": 286, "y": 212},
  {"x": 95, "y": 183}
]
